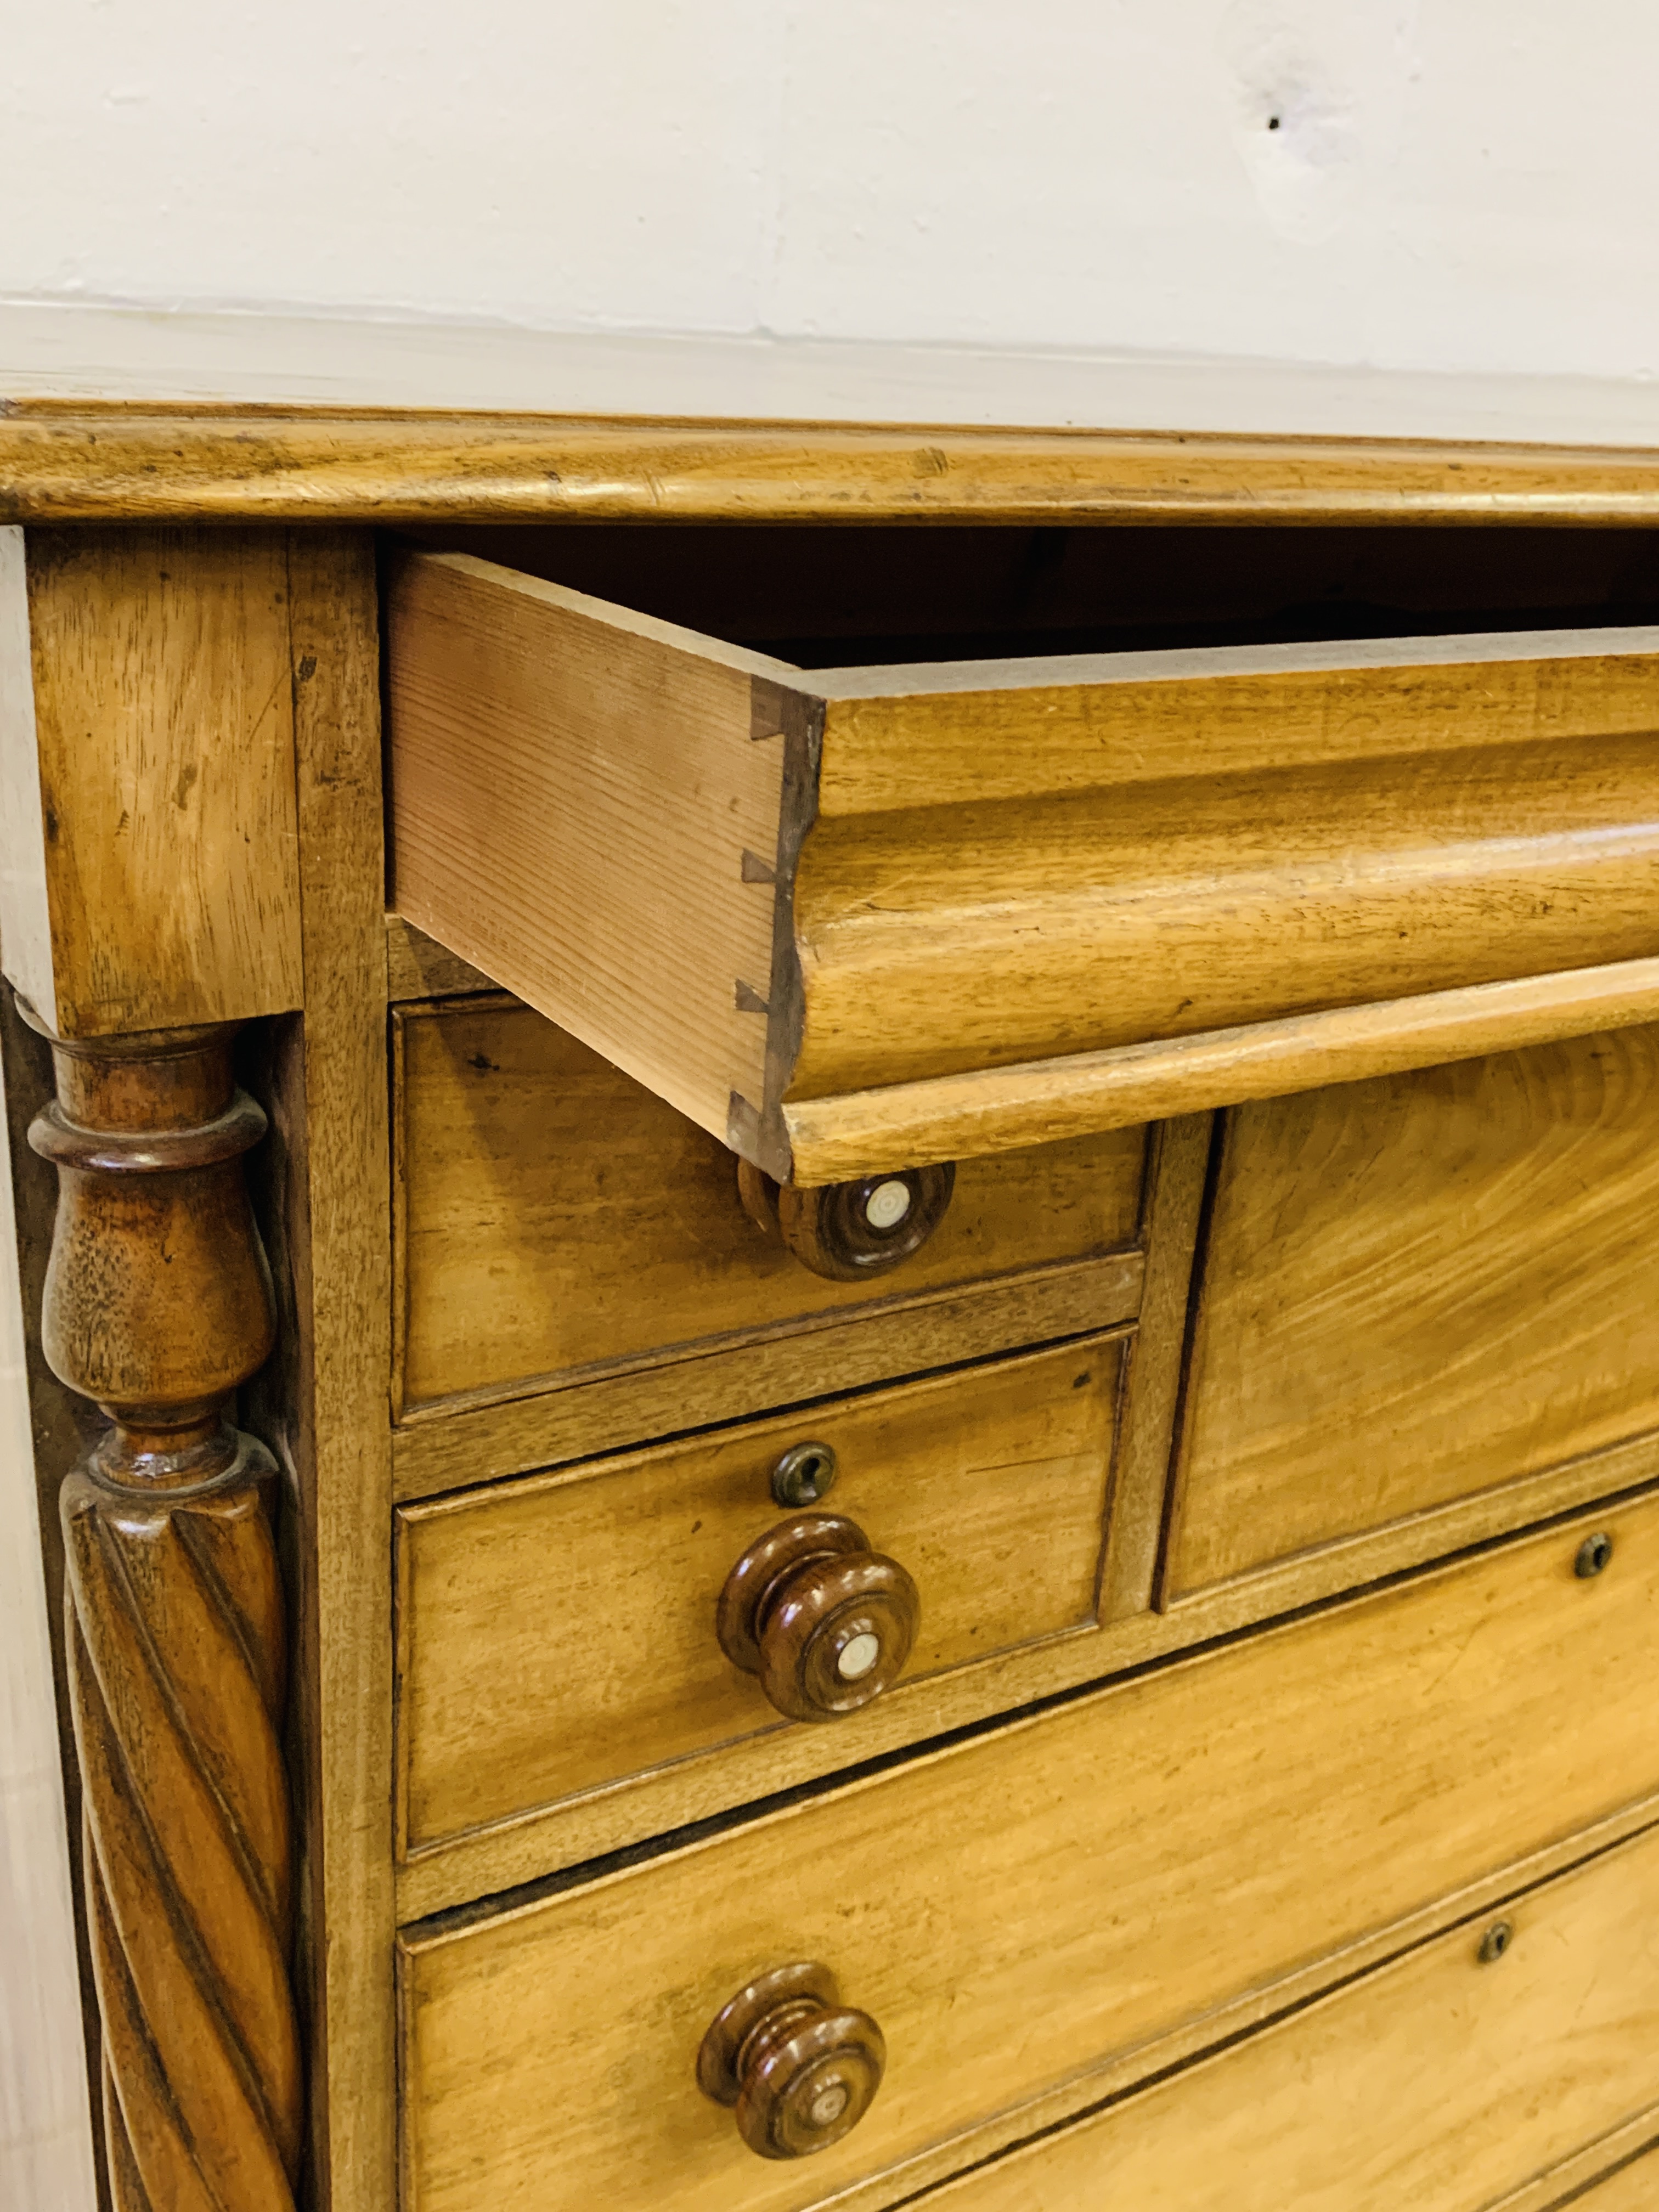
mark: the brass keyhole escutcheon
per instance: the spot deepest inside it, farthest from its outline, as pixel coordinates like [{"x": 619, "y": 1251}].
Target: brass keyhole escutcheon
[
  {"x": 803, "y": 1475},
  {"x": 1495, "y": 1943},
  {"x": 800, "y": 2068},
  {"x": 825, "y": 1622},
  {"x": 1594, "y": 1556}
]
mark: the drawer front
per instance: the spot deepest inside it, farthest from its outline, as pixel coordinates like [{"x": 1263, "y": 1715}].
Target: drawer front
[
  {"x": 1442, "y": 2083},
  {"x": 1022, "y": 1909},
  {"x": 1634, "y": 2188},
  {"x": 554, "y": 1217},
  {"x": 1419, "y": 1290},
  {"x": 559, "y": 1634},
  {"x": 850, "y": 920}
]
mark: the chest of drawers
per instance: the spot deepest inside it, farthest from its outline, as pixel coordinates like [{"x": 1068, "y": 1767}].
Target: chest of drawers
[{"x": 870, "y": 1308}]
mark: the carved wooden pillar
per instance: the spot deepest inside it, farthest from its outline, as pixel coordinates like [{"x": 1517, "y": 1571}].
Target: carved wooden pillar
[{"x": 158, "y": 1304}]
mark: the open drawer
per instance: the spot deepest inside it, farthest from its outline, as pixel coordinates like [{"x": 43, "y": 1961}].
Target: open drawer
[{"x": 857, "y": 918}]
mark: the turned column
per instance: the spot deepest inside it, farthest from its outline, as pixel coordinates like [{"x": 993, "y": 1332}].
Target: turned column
[{"x": 158, "y": 1304}]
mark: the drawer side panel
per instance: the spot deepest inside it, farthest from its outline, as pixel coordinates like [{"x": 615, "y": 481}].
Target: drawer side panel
[{"x": 573, "y": 793}]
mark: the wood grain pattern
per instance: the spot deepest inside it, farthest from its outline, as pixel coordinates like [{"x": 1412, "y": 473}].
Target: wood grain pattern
[
  {"x": 900, "y": 737},
  {"x": 989, "y": 939},
  {"x": 572, "y": 792},
  {"x": 1045, "y": 1101},
  {"x": 158, "y": 1304},
  {"x": 1140, "y": 1479},
  {"x": 1631, "y": 2190},
  {"x": 83, "y": 461},
  {"x": 325, "y": 1404},
  {"x": 495, "y": 1859},
  {"x": 1218, "y": 846},
  {"x": 164, "y": 763},
  {"x": 464, "y": 1442},
  {"x": 1018, "y": 1910},
  {"x": 1577, "y": 2180},
  {"x": 177, "y": 1671},
  {"x": 555, "y": 1217},
  {"x": 1420, "y": 1289},
  {"x": 982, "y": 865},
  {"x": 463, "y": 1448},
  {"x": 1437, "y": 2083},
  {"x": 556, "y": 1636},
  {"x": 418, "y": 967}
]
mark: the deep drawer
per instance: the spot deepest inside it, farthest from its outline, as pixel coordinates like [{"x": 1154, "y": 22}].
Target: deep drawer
[
  {"x": 1062, "y": 1904},
  {"x": 850, "y": 919},
  {"x": 1446, "y": 2082}
]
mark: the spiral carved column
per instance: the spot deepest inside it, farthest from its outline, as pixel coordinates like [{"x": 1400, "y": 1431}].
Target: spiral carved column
[{"x": 158, "y": 1304}]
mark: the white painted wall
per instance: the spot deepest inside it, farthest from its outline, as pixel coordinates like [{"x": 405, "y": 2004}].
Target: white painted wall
[
  {"x": 1464, "y": 185},
  {"x": 46, "y": 2126}
]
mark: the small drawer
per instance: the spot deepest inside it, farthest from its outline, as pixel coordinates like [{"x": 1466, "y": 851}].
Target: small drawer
[
  {"x": 1051, "y": 1910},
  {"x": 1429, "y": 1298},
  {"x": 849, "y": 919},
  {"x": 557, "y": 1220},
  {"x": 565, "y": 1633},
  {"x": 1449, "y": 2081}
]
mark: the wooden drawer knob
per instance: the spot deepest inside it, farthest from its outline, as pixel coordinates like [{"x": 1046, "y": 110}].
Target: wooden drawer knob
[
  {"x": 800, "y": 2067},
  {"x": 826, "y": 1622},
  {"x": 850, "y": 1230}
]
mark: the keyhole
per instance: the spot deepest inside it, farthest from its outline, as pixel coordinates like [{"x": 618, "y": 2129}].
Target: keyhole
[
  {"x": 1495, "y": 1940},
  {"x": 805, "y": 1473},
  {"x": 1594, "y": 1554}
]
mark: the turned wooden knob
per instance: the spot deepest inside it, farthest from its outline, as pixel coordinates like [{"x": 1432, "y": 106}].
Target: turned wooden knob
[
  {"x": 849, "y": 1231},
  {"x": 826, "y": 1622},
  {"x": 801, "y": 2068}
]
